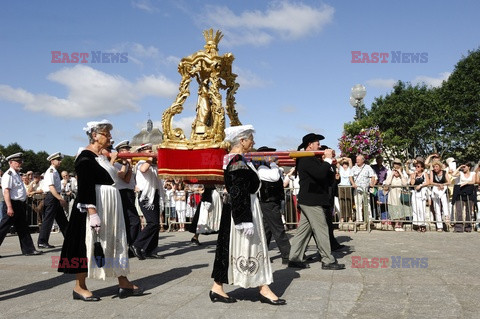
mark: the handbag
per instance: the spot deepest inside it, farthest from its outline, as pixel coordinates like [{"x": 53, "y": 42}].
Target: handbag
[
  {"x": 98, "y": 253},
  {"x": 405, "y": 197}
]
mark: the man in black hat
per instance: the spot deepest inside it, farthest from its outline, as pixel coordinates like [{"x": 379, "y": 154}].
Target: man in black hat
[
  {"x": 271, "y": 196},
  {"x": 317, "y": 178},
  {"x": 15, "y": 195},
  {"x": 54, "y": 202}
]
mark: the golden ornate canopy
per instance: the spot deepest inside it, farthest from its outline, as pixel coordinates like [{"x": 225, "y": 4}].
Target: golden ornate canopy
[{"x": 213, "y": 73}]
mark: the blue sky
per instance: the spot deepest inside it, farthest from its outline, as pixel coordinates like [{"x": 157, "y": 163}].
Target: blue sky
[{"x": 293, "y": 60}]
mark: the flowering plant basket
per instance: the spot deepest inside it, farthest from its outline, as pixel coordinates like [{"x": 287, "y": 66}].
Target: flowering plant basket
[{"x": 368, "y": 142}]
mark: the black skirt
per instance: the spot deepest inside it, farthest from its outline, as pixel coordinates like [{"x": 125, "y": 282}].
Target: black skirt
[{"x": 73, "y": 258}]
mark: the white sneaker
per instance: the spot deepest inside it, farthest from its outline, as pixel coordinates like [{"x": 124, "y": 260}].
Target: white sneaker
[{"x": 399, "y": 229}]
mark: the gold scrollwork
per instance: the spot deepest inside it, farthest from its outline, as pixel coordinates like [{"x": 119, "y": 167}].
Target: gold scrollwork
[{"x": 212, "y": 73}]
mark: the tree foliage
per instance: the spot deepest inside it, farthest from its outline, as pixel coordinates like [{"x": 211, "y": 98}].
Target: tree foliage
[
  {"x": 420, "y": 120},
  {"x": 35, "y": 162},
  {"x": 462, "y": 95}
]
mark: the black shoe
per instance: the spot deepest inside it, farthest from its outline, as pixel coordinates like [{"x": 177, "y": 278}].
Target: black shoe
[
  {"x": 154, "y": 256},
  {"x": 77, "y": 296},
  {"x": 214, "y": 297},
  {"x": 298, "y": 264},
  {"x": 34, "y": 253},
  {"x": 333, "y": 266},
  {"x": 277, "y": 302},
  {"x": 338, "y": 247},
  {"x": 139, "y": 253},
  {"x": 195, "y": 241},
  {"x": 128, "y": 292},
  {"x": 285, "y": 261},
  {"x": 45, "y": 246}
]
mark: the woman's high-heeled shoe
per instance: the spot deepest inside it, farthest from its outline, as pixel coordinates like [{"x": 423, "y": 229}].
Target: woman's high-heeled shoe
[
  {"x": 127, "y": 292},
  {"x": 214, "y": 297},
  {"x": 277, "y": 302},
  {"x": 77, "y": 296},
  {"x": 195, "y": 241}
]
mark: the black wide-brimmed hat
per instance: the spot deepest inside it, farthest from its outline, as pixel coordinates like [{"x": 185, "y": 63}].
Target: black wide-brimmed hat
[
  {"x": 310, "y": 138},
  {"x": 266, "y": 149}
]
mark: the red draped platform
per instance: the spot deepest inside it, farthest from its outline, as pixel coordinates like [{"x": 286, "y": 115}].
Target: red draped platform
[{"x": 196, "y": 166}]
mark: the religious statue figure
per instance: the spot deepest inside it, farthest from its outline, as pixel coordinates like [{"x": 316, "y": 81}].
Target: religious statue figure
[
  {"x": 212, "y": 73},
  {"x": 204, "y": 108}
]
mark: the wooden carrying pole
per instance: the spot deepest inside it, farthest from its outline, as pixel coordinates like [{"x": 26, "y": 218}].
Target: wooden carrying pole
[{"x": 285, "y": 158}]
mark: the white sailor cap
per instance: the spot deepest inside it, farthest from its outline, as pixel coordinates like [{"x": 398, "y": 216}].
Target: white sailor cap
[
  {"x": 56, "y": 155},
  {"x": 144, "y": 147},
  {"x": 15, "y": 157},
  {"x": 123, "y": 144}
]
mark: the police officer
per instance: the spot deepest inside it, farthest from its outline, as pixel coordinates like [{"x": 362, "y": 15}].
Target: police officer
[
  {"x": 54, "y": 202},
  {"x": 271, "y": 196},
  {"x": 126, "y": 186},
  {"x": 15, "y": 195}
]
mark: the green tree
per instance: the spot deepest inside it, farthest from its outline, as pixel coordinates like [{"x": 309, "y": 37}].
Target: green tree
[
  {"x": 420, "y": 120},
  {"x": 68, "y": 164},
  {"x": 408, "y": 119},
  {"x": 461, "y": 96}
]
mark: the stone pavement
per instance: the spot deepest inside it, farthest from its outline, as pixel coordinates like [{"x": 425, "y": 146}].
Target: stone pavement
[{"x": 444, "y": 283}]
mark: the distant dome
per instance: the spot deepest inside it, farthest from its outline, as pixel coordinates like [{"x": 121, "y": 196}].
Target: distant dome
[{"x": 147, "y": 135}]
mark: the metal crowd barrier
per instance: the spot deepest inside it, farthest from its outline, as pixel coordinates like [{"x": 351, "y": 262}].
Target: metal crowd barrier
[{"x": 362, "y": 210}]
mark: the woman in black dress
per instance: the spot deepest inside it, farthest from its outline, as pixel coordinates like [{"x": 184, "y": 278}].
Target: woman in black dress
[
  {"x": 96, "y": 216},
  {"x": 241, "y": 256}
]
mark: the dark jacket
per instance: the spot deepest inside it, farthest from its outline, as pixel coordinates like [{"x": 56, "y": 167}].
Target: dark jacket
[
  {"x": 316, "y": 182},
  {"x": 240, "y": 181}
]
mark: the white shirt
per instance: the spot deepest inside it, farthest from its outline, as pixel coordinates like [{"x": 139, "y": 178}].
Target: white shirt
[
  {"x": 121, "y": 183},
  {"x": 13, "y": 181},
  {"x": 142, "y": 179},
  {"x": 344, "y": 176},
  {"x": 267, "y": 174},
  {"x": 169, "y": 198},
  {"x": 52, "y": 177}
]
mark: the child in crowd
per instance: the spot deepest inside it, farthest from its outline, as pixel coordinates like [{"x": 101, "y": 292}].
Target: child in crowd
[
  {"x": 170, "y": 204},
  {"x": 181, "y": 204},
  {"x": 382, "y": 198}
]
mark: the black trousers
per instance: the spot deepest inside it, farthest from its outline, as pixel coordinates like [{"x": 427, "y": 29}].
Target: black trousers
[
  {"x": 147, "y": 239},
  {"x": 132, "y": 220},
  {"x": 19, "y": 220},
  {"x": 273, "y": 224},
  {"x": 329, "y": 217},
  {"x": 53, "y": 211}
]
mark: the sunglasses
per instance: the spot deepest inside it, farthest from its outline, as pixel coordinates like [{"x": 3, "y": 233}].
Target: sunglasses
[{"x": 106, "y": 134}]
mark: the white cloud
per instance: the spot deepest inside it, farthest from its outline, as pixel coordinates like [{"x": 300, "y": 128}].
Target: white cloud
[
  {"x": 281, "y": 20},
  {"x": 286, "y": 143},
  {"x": 431, "y": 81},
  {"x": 140, "y": 50},
  {"x": 90, "y": 93},
  {"x": 248, "y": 79},
  {"x": 144, "y": 5},
  {"x": 185, "y": 123},
  {"x": 157, "y": 86},
  {"x": 381, "y": 83}
]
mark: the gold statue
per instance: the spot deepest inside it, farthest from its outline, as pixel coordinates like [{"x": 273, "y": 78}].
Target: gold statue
[{"x": 212, "y": 73}]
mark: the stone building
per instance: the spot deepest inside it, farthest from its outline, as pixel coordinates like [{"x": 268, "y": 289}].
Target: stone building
[{"x": 148, "y": 135}]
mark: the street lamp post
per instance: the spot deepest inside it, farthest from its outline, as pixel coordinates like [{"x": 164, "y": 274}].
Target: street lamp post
[{"x": 356, "y": 98}]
